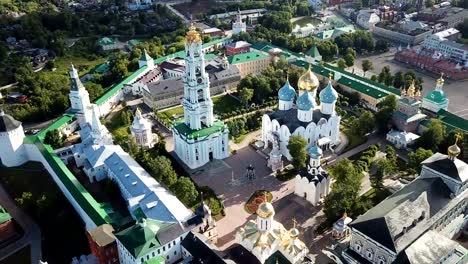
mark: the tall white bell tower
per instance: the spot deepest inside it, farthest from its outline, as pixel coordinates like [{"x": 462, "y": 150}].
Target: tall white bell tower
[
  {"x": 197, "y": 103},
  {"x": 79, "y": 97}
]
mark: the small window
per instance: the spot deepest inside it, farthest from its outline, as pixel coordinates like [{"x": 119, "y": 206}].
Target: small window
[
  {"x": 369, "y": 254},
  {"x": 175, "y": 252}
]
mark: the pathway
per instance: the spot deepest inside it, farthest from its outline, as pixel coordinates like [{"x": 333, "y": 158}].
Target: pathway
[{"x": 32, "y": 233}]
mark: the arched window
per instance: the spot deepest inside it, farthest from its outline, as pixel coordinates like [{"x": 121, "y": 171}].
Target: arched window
[
  {"x": 369, "y": 254},
  {"x": 358, "y": 246},
  {"x": 381, "y": 260}
]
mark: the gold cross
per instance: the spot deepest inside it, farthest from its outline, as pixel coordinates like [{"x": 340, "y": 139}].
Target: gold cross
[
  {"x": 294, "y": 222},
  {"x": 330, "y": 75}
]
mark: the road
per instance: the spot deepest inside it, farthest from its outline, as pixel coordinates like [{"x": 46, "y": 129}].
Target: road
[
  {"x": 456, "y": 91},
  {"x": 32, "y": 233}
]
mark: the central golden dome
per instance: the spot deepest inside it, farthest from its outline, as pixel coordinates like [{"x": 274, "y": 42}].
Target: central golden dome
[
  {"x": 308, "y": 81},
  {"x": 265, "y": 210},
  {"x": 193, "y": 36},
  {"x": 454, "y": 150}
]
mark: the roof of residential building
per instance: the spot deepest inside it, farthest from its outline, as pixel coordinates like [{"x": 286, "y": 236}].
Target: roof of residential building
[
  {"x": 103, "y": 235},
  {"x": 144, "y": 192},
  {"x": 106, "y": 41},
  {"x": 392, "y": 224},
  {"x": 239, "y": 44},
  {"x": 246, "y": 57}
]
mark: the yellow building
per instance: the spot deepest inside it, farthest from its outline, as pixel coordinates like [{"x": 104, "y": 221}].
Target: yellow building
[{"x": 253, "y": 62}]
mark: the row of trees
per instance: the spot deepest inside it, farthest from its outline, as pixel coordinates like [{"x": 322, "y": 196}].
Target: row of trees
[
  {"x": 399, "y": 80},
  {"x": 242, "y": 125}
]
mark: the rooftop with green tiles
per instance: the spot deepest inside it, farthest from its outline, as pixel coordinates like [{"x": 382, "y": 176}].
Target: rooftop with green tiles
[
  {"x": 59, "y": 123},
  {"x": 316, "y": 68},
  {"x": 362, "y": 88},
  {"x": 188, "y": 133},
  {"x": 452, "y": 121},
  {"x": 111, "y": 92},
  {"x": 363, "y": 79},
  {"x": 246, "y": 57},
  {"x": 266, "y": 47}
]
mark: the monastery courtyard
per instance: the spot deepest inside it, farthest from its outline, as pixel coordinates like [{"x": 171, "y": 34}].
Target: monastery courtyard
[{"x": 218, "y": 176}]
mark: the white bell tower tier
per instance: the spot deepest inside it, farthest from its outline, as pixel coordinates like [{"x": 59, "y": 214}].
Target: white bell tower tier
[
  {"x": 12, "y": 152},
  {"x": 79, "y": 97},
  {"x": 199, "y": 138}
]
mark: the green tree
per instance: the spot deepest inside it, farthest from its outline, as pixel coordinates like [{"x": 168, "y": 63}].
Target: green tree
[
  {"x": 384, "y": 114},
  {"x": 185, "y": 190},
  {"x": 364, "y": 124},
  {"x": 162, "y": 170},
  {"x": 390, "y": 154},
  {"x": 430, "y": 3},
  {"x": 26, "y": 201},
  {"x": 125, "y": 118},
  {"x": 341, "y": 64},
  {"x": 118, "y": 65},
  {"x": 433, "y": 136},
  {"x": 349, "y": 58},
  {"x": 367, "y": 66},
  {"x": 344, "y": 194},
  {"x": 53, "y": 139},
  {"x": 382, "y": 45},
  {"x": 245, "y": 95},
  {"x": 398, "y": 80},
  {"x": 415, "y": 158},
  {"x": 296, "y": 147}
]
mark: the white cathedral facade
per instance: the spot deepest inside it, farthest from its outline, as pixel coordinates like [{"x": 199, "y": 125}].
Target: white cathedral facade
[
  {"x": 199, "y": 138},
  {"x": 313, "y": 183},
  {"x": 238, "y": 26},
  {"x": 318, "y": 124}
]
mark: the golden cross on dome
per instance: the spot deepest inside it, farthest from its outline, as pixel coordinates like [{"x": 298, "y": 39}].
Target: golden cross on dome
[
  {"x": 265, "y": 194},
  {"x": 330, "y": 75},
  {"x": 457, "y": 137},
  {"x": 294, "y": 222}
]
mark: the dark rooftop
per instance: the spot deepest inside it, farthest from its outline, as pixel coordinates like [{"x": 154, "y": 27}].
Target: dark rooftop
[
  {"x": 200, "y": 251},
  {"x": 7, "y": 122},
  {"x": 289, "y": 118}
]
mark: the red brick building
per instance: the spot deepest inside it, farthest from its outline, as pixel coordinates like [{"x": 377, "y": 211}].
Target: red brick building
[
  {"x": 102, "y": 244},
  {"x": 429, "y": 60},
  {"x": 237, "y": 47},
  {"x": 7, "y": 227}
]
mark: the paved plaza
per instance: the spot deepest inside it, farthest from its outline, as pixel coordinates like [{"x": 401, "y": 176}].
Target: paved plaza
[{"x": 219, "y": 176}]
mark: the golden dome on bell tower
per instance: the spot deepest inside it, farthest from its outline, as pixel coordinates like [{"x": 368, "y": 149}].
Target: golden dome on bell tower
[
  {"x": 308, "y": 81},
  {"x": 193, "y": 36}
]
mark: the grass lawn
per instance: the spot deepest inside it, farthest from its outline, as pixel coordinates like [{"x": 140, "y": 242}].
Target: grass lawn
[
  {"x": 22, "y": 256},
  {"x": 221, "y": 104}
]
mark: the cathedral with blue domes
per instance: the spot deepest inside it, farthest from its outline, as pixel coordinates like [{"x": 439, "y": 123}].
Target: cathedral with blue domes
[{"x": 300, "y": 113}]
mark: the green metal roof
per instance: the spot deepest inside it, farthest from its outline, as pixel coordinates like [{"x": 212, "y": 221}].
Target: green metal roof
[
  {"x": 363, "y": 79},
  {"x": 246, "y": 57},
  {"x": 452, "y": 121},
  {"x": 112, "y": 91},
  {"x": 141, "y": 238},
  {"x": 313, "y": 52},
  {"x": 210, "y": 56},
  {"x": 101, "y": 68},
  {"x": 184, "y": 130},
  {"x": 266, "y": 47},
  {"x": 86, "y": 201},
  {"x": 436, "y": 97},
  {"x": 132, "y": 43},
  {"x": 362, "y": 88},
  {"x": 326, "y": 34},
  {"x": 106, "y": 41},
  {"x": 58, "y": 124},
  {"x": 4, "y": 215}
]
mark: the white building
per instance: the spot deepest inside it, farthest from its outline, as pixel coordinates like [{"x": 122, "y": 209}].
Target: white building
[
  {"x": 265, "y": 236},
  {"x": 141, "y": 130},
  {"x": 367, "y": 19},
  {"x": 311, "y": 121},
  {"x": 139, "y": 4},
  {"x": 238, "y": 26},
  {"x": 415, "y": 224},
  {"x": 401, "y": 139},
  {"x": 455, "y": 51},
  {"x": 11, "y": 141},
  {"x": 79, "y": 97},
  {"x": 313, "y": 183},
  {"x": 436, "y": 99},
  {"x": 199, "y": 138}
]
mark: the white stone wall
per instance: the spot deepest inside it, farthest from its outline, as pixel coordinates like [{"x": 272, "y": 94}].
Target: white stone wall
[{"x": 12, "y": 152}]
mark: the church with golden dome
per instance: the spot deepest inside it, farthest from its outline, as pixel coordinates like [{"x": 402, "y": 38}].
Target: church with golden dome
[
  {"x": 265, "y": 237},
  {"x": 302, "y": 113}
]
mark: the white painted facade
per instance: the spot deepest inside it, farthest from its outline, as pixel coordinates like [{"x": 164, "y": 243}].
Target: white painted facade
[
  {"x": 200, "y": 138},
  {"x": 238, "y": 26},
  {"x": 316, "y": 185},
  {"x": 11, "y": 145},
  {"x": 141, "y": 130}
]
